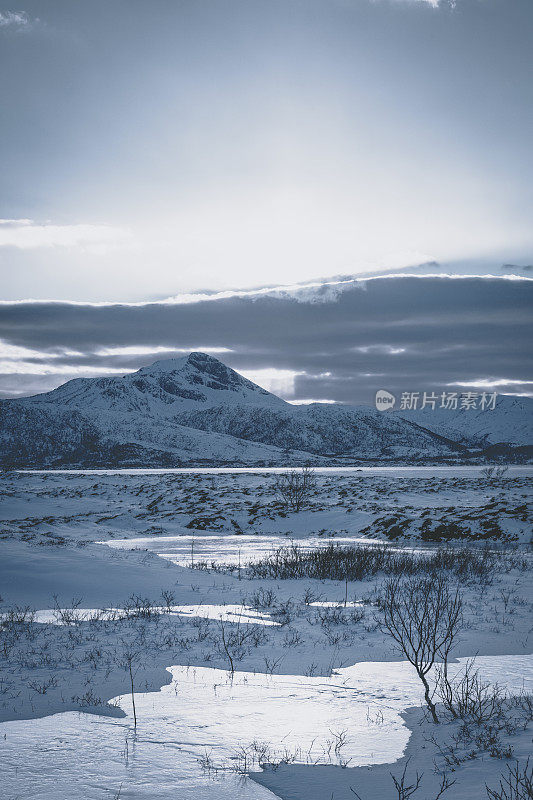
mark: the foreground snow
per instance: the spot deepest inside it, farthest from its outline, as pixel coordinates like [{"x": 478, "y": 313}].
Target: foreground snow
[
  {"x": 196, "y": 736},
  {"x": 317, "y": 688}
]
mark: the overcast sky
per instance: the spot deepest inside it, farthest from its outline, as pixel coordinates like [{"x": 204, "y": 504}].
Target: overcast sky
[
  {"x": 340, "y": 342},
  {"x": 156, "y": 149}
]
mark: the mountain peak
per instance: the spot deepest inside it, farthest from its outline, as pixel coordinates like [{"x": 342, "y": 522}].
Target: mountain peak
[
  {"x": 196, "y": 364},
  {"x": 203, "y": 373},
  {"x": 200, "y": 361},
  {"x": 203, "y": 360}
]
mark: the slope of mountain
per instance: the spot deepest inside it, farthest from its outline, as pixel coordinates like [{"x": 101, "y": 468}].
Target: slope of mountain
[
  {"x": 42, "y": 437},
  {"x": 511, "y": 422},
  {"x": 321, "y": 429},
  {"x": 195, "y": 410}
]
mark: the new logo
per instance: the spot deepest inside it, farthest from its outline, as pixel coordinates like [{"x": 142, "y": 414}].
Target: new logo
[{"x": 384, "y": 400}]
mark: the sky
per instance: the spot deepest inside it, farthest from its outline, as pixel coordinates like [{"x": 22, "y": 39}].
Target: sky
[{"x": 162, "y": 160}]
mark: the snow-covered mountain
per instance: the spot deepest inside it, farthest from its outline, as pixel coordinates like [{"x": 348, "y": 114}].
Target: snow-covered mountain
[
  {"x": 325, "y": 430},
  {"x": 196, "y": 410},
  {"x": 510, "y": 422},
  {"x": 163, "y": 388}
]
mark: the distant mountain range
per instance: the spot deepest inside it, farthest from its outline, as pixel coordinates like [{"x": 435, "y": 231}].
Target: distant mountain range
[
  {"x": 197, "y": 411},
  {"x": 511, "y": 422}
]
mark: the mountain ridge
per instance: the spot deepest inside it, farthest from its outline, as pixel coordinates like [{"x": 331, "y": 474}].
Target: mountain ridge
[{"x": 197, "y": 410}]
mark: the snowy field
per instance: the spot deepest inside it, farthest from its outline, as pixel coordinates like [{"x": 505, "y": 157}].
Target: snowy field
[{"x": 250, "y": 683}]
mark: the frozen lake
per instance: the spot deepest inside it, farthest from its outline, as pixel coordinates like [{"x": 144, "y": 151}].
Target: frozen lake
[{"x": 391, "y": 471}]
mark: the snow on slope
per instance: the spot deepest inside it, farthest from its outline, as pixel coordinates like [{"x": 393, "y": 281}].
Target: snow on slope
[
  {"x": 511, "y": 422},
  {"x": 320, "y": 429}
]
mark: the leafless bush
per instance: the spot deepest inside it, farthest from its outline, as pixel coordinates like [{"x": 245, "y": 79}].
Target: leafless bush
[
  {"x": 169, "y": 599},
  {"x": 423, "y": 617},
  {"x": 226, "y": 646},
  {"x": 330, "y": 615},
  {"x": 310, "y": 596},
  {"x": 136, "y": 606},
  {"x": 524, "y": 703},
  {"x": 468, "y": 697},
  {"x": 16, "y": 623},
  {"x": 295, "y": 488},
  {"x": 271, "y": 664},
  {"x": 516, "y": 784},
  {"x": 88, "y": 700},
  {"x": 293, "y": 638},
  {"x": 70, "y": 615},
  {"x": 494, "y": 473},
  {"x": 129, "y": 661},
  {"x": 236, "y": 640},
  {"x": 406, "y": 790},
  {"x": 360, "y": 562},
  {"x": 259, "y": 754},
  {"x": 17, "y": 616},
  {"x": 262, "y": 598},
  {"x": 42, "y": 688},
  {"x": 283, "y": 612}
]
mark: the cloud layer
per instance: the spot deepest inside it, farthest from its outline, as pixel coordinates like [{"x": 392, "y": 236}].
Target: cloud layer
[
  {"x": 399, "y": 333},
  {"x": 13, "y": 19},
  {"x": 25, "y": 234}
]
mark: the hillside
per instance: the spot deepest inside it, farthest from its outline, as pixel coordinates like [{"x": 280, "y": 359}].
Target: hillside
[{"x": 511, "y": 422}]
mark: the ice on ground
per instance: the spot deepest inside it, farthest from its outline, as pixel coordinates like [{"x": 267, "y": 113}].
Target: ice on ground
[
  {"x": 224, "y": 613},
  {"x": 209, "y": 715},
  {"x": 338, "y": 604},
  {"x": 187, "y": 551}
]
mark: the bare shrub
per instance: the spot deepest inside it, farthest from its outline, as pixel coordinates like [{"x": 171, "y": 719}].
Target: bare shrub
[
  {"x": 262, "y": 598},
  {"x": 359, "y": 562},
  {"x": 237, "y": 640},
  {"x": 43, "y": 686},
  {"x": 406, "y": 790},
  {"x": 524, "y": 703},
  {"x": 139, "y": 607},
  {"x": 284, "y": 612},
  {"x": 15, "y": 624},
  {"x": 423, "y": 617},
  {"x": 169, "y": 599},
  {"x": 129, "y": 661},
  {"x": 310, "y": 596},
  {"x": 494, "y": 473},
  {"x": 330, "y": 616},
  {"x": 515, "y": 784},
  {"x": 70, "y": 615},
  {"x": 226, "y": 646},
  {"x": 293, "y": 638},
  {"x": 295, "y": 488},
  {"x": 468, "y": 697},
  {"x": 17, "y": 617}
]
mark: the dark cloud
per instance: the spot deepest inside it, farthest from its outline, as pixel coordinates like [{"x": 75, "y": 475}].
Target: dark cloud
[{"x": 404, "y": 333}]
